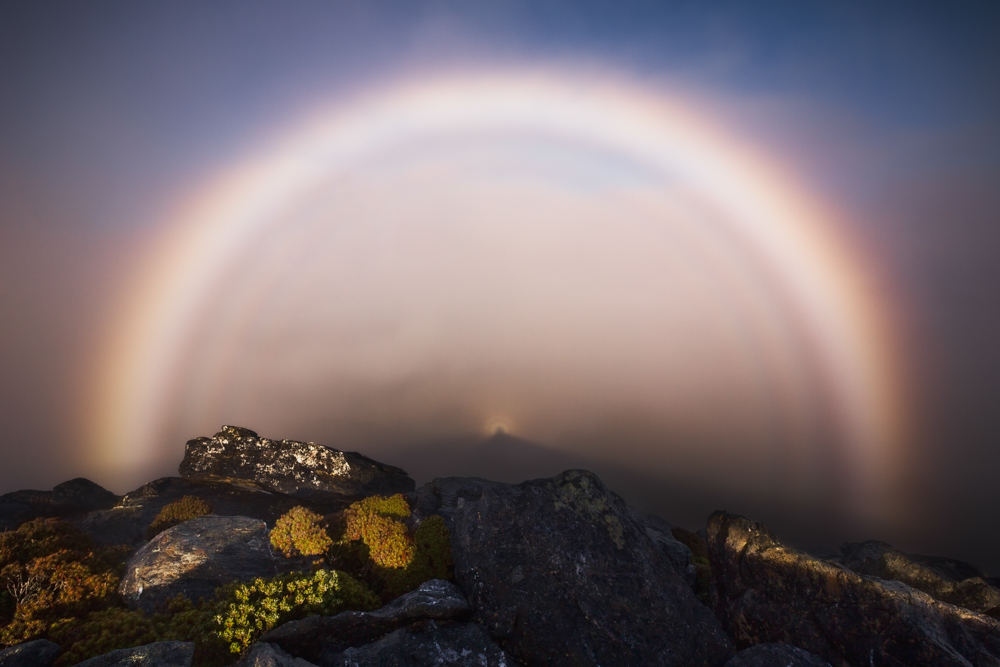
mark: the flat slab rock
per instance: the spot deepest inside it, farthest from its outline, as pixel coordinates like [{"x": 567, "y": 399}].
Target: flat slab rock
[
  {"x": 298, "y": 469},
  {"x": 775, "y": 655},
  {"x": 126, "y": 522},
  {"x": 318, "y": 637},
  {"x": 196, "y": 557},
  {"x": 37, "y": 653},
  {"x": 428, "y": 645},
  {"x": 560, "y": 573},
  {"x": 768, "y": 592},
  {"x": 157, "y": 654}
]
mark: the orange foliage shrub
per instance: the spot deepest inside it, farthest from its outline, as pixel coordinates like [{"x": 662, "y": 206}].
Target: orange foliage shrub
[
  {"x": 185, "y": 509},
  {"x": 299, "y": 532}
]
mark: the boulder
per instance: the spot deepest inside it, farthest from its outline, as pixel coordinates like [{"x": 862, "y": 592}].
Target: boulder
[
  {"x": 157, "y": 654},
  {"x": 560, "y": 573},
  {"x": 69, "y": 499},
  {"x": 38, "y": 653},
  {"x": 428, "y": 645},
  {"x": 318, "y": 637},
  {"x": 767, "y": 592},
  {"x": 661, "y": 532},
  {"x": 262, "y": 654},
  {"x": 299, "y": 469},
  {"x": 944, "y": 579},
  {"x": 196, "y": 557},
  {"x": 127, "y": 521},
  {"x": 775, "y": 655},
  {"x": 446, "y": 494}
]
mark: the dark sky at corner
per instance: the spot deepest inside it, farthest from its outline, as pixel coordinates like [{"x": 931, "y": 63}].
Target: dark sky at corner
[{"x": 110, "y": 112}]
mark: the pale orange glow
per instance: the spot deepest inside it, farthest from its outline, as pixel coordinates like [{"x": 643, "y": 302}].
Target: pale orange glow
[{"x": 526, "y": 251}]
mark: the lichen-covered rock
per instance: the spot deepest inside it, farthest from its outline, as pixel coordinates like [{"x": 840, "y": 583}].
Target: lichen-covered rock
[
  {"x": 430, "y": 645},
  {"x": 38, "y": 653},
  {"x": 157, "y": 654},
  {"x": 297, "y": 469},
  {"x": 195, "y": 558},
  {"x": 262, "y": 654},
  {"x": 69, "y": 499},
  {"x": 776, "y": 654},
  {"x": 560, "y": 573},
  {"x": 767, "y": 592},
  {"x": 944, "y": 579},
  {"x": 318, "y": 637},
  {"x": 127, "y": 521}
]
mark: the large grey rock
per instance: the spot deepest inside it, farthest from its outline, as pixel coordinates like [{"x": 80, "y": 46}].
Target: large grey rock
[
  {"x": 431, "y": 645},
  {"x": 776, "y": 655},
  {"x": 298, "y": 469},
  {"x": 560, "y": 573},
  {"x": 126, "y": 522},
  {"x": 262, "y": 654},
  {"x": 944, "y": 579},
  {"x": 197, "y": 557},
  {"x": 318, "y": 636},
  {"x": 767, "y": 592},
  {"x": 444, "y": 495},
  {"x": 157, "y": 654},
  {"x": 661, "y": 532},
  {"x": 69, "y": 499},
  {"x": 38, "y": 653}
]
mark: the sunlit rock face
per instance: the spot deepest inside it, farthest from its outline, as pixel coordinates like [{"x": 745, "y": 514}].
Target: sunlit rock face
[
  {"x": 765, "y": 591},
  {"x": 302, "y": 470}
]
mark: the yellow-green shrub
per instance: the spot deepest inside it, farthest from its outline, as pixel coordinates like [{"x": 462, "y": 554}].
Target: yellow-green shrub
[
  {"x": 258, "y": 606},
  {"x": 177, "y": 512},
  {"x": 299, "y": 533}
]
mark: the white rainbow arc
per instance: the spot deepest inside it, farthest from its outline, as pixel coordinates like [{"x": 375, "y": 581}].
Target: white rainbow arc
[{"x": 793, "y": 235}]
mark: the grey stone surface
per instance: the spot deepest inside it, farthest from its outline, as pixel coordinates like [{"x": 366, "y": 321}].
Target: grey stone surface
[
  {"x": 69, "y": 499},
  {"x": 431, "y": 645},
  {"x": 316, "y": 636},
  {"x": 660, "y": 531},
  {"x": 197, "y": 557},
  {"x": 262, "y": 654},
  {"x": 157, "y": 654},
  {"x": 767, "y": 592},
  {"x": 560, "y": 573},
  {"x": 776, "y": 654},
  {"x": 37, "y": 653},
  {"x": 944, "y": 579},
  {"x": 298, "y": 469}
]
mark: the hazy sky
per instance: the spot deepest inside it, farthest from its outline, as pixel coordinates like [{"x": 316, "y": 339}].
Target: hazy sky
[{"x": 745, "y": 253}]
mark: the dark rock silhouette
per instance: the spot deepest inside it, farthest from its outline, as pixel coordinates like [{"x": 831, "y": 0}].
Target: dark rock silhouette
[
  {"x": 38, "y": 653},
  {"x": 126, "y": 522},
  {"x": 157, "y": 654},
  {"x": 768, "y": 592},
  {"x": 69, "y": 499},
  {"x": 559, "y": 573},
  {"x": 298, "y": 469},
  {"x": 943, "y": 579},
  {"x": 775, "y": 655},
  {"x": 318, "y": 638},
  {"x": 196, "y": 557},
  {"x": 444, "y": 645}
]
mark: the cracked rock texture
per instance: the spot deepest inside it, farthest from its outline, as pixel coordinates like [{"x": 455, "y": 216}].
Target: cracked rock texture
[
  {"x": 298, "y": 469},
  {"x": 316, "y": 638},
  {"x": 262, "y": 654},
  {"x": 766, "y": 592},
  {"x": 196, "y": 557},
  {"x": 560, "y": 573}
]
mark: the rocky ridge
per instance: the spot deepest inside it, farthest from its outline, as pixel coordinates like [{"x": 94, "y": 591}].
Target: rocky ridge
[{"x": 549, "y": 571}]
